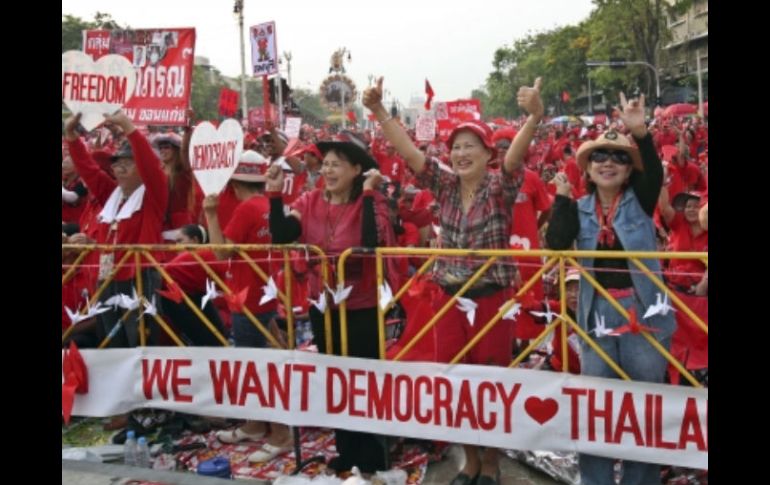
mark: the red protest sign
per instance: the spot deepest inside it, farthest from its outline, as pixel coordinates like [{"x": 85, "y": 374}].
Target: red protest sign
[{"x": 163, "y": 59}]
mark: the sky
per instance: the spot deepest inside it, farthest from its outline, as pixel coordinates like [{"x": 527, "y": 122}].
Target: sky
[{"x": 449, "y": 42}]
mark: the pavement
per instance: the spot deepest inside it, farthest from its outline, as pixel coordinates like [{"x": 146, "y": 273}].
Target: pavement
[{"x": 512, "y": 472}]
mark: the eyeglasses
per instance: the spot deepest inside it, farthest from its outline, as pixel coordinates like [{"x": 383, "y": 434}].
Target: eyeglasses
[
  {"x": 617, "y": 156},
  {"x": 164, "y": 146},
  {"x": 124, "y": 164}
]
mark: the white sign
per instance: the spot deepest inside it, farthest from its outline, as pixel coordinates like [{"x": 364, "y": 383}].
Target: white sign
[
  {"x": 214, "y": 153},
  {"x": 482, "y": 405},
  {"x": 95, "y": 88},
  {"x": 293, "y": 125},
  {"x": 426, "y": 127},
  {"x": 264, "y": 50}
]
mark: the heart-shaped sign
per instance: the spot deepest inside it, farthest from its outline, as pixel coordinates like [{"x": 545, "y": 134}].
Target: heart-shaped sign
[
  {"x": 541, "y": 410},
  {"x": 95, "y": 88},
  {"x": 214, "y": 153}
]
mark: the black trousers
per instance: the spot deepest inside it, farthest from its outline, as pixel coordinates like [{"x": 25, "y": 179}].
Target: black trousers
[
  {"x": 128, "y": 330},
  {"x": 194, "y": 331},
  {"x": 364, "y": 450}
]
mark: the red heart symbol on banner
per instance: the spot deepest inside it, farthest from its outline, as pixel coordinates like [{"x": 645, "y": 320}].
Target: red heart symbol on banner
[{"x": 541, "y": 410}]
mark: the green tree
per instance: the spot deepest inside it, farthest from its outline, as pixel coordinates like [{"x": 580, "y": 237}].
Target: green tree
[
  {"x": 204, "y": 97},
  {"x": 634, "y": 30}
]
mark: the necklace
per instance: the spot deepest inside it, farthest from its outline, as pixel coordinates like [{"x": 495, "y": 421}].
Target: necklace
[{"x": 331, "y": 227}]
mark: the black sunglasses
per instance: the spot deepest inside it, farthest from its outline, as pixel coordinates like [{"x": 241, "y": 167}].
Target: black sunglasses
[{"x": 617, "y": 156}]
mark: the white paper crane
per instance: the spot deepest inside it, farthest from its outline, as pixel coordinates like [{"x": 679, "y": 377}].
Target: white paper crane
[
  {"x": 211, "y": 293},
  {"x": 270, "y": 290},
  {"x": 660, "y": 307},
  {"x": 600, "y": 328},
  {"x": 469, "y": 307},
  {"x": 512, "y": 312},
  {"x": 548, "y": 314},
  {"x": 341, "y": 294},
  {"x": 386, "y": 295}
]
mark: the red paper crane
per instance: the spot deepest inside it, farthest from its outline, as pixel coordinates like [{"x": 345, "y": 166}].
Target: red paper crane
[
  {"x": 236, "y": 301},
  {"x": 75, "y": 379},
  {"x": 174, "y": 293},
  {"x": 633, "y": 325}
]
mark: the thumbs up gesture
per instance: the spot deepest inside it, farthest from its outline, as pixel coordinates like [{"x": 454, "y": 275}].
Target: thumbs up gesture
[
  {"x": 529, "y": 99},
  {"x": 372, "y": 96}
]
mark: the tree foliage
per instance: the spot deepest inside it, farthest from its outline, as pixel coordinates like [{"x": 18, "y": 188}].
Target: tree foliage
[{"x": 634, "y": 30}]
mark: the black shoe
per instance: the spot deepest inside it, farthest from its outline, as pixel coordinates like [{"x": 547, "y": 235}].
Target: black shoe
[
  {"x": 464, "y": 479},
  {"x": 338, "y": 465},
  {"x": 487, "y": 480}
]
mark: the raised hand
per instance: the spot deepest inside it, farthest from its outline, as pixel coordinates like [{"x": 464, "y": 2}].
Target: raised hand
[
  {"x": 372, "y": 96},
  {"x": 632, "y": 115},
  {"x": 373, "y": 179},
  {"x": 529, "y": 99},
  {"x": 563, "y": 187},
  {"x": 121, "y": 120},
  {"x": 70, "y": 127}
]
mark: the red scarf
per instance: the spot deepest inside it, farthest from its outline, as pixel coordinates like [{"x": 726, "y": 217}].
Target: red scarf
[{"x": 606, "y": 234}]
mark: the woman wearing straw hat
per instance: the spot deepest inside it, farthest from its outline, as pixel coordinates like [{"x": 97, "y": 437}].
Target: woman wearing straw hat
[{"x": 623, "y": 183}]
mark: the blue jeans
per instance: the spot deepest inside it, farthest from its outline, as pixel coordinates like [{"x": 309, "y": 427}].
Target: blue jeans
[
  {"x": 245, "y": 334},
  {"x": 641, "y": 362}
]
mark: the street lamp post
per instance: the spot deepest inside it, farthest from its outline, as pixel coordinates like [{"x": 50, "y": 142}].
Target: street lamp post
[
  {"x": 287, "y": 56},
  {"x": 238, "y": 9},
  {"x": 623, "y": 64}
]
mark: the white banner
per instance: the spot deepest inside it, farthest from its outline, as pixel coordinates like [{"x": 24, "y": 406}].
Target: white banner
[
  {"x": 426, "y": 127},
  {"x": 264, "y": 50},
  {"x": 293, "y": 125},
  {"x": 482, "y": 405},
  {"x": 214, "y": 153}
]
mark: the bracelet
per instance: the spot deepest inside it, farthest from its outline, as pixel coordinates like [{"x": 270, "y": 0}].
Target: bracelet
[{"x": 382, "y": 122}]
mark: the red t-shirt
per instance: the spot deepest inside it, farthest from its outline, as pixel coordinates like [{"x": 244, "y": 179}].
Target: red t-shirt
[
  {"x": 681, "y": 239},
  {"x": 391, "y": 167},
  {"x": 337, "y": 227},
  {"x": 532, "y": 197},
  {"x": 249, "y": 225},
  {"x": 227, "y": 204},
  {"x": 190, "y": 275}
]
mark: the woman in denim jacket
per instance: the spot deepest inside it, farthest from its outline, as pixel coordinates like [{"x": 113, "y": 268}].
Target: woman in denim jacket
[{"x": 623, "y": 183}]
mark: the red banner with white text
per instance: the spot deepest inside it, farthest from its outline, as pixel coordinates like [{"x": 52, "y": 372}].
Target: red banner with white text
[{"x": 163, "y": 59}]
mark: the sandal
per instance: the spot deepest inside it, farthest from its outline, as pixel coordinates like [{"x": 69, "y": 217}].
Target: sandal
[
  {"x": 267, "y": 453},
  {"x": 237, "y": 435}
]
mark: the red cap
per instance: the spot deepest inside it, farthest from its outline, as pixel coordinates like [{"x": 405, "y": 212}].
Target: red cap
[{"x": 481, "y": 130}]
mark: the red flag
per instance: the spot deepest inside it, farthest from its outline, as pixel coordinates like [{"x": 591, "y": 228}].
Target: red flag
[
  {"x": 565, "y": 97},
  {"x": 228, "y": 102},
  {"x": 352, "y": 117},
  {"x": 429, "y": 93}
]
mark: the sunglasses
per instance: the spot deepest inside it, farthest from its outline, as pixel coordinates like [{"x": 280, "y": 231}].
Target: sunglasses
[
  {"x": 163, "y": 146},
  {"x": 617, "y": 156}
]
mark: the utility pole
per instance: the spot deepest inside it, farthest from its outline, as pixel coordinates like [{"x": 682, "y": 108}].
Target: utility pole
[{"x": 238, "y": 9}]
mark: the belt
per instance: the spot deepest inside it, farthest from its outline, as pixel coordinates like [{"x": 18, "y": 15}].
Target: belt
[{"x": 620, "y": 292}]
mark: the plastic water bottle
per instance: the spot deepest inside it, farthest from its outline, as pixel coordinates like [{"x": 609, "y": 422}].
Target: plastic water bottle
[
  {"x": 143, "y": 453},
  {"x": 129, "y": 449}
]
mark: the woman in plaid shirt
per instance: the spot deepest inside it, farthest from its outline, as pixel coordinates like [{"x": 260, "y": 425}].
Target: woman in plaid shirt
[{"x": 476, "y": 208}]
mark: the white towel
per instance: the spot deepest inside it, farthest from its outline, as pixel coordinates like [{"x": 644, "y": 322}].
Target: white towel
[{"x": 110, "y": 213}]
